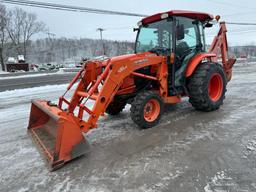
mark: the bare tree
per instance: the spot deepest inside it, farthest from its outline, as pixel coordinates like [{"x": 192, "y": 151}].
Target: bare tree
[
  {"x": 3, "y": 34},
  {"x": 21, "y": 27}
]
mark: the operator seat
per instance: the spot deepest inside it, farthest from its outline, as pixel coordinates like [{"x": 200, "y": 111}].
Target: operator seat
[{"x": 180, "y": 48}]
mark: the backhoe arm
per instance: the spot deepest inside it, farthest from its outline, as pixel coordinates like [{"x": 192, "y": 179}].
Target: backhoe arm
[{"x": 219, "y": 47}]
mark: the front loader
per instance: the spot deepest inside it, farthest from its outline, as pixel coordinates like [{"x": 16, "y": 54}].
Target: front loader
[{"x": 170, "y": 62}]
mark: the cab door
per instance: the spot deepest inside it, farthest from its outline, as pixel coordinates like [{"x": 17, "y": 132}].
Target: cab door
[{"x": 189, "y": 40}]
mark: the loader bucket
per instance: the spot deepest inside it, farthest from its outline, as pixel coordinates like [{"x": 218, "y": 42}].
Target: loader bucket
[{"x": 56, "y": 133}]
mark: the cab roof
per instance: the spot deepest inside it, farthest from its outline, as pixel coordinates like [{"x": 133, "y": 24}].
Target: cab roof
[{"x": 190, "y": 14}]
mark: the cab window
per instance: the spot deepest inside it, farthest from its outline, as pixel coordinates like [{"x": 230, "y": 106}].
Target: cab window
[
  {"x": 193, "y": 34},
  {"x": 157, "y": 35}
]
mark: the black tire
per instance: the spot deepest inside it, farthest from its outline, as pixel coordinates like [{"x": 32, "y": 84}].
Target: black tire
[
  {"x": 198, "y": 87},
  {"x": 138, "y": 106},
  {"x": 115, "y": 107}
]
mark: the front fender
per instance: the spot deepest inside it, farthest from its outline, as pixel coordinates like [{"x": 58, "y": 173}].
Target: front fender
[{"x": 196, "y": 60}]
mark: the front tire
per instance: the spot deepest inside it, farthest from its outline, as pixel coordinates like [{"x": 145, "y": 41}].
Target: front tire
[
  {"x": 147, "y": 109},
  {"x": 207, "y": 87}
]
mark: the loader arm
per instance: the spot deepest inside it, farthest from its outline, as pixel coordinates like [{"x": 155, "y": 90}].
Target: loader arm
[{"x": 103, "y": 86}]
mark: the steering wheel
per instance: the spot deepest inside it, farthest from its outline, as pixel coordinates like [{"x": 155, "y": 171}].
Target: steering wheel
[{"x": 158, "y": 50}]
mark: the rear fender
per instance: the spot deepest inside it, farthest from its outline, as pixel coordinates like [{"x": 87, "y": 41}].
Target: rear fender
[{"x": 196, "y": 60}]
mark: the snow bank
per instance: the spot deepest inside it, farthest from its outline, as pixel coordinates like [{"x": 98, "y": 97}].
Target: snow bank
[
  {"x": 68, "y": 70},
  {"x": 28, "y": 75}
]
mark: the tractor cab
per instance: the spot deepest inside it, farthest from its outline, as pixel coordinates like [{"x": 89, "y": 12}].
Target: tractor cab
[{"x": 177, "y": 33}]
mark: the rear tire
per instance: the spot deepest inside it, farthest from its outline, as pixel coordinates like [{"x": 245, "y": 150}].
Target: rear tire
[
  {"x": 115, "y": 107},
  {"x": 207, "y": 87},
  {"x": 146, "y": 109}
]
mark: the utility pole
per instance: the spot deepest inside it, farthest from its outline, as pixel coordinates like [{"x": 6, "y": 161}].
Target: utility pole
[
  {"x": 50, "y": 54},
  {"x": 101, "y": 38}
]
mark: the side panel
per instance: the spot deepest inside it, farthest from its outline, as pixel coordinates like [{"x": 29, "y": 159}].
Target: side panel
[
  {"x": 120, "y": 70},
  {"x": 194, "y": 62}
]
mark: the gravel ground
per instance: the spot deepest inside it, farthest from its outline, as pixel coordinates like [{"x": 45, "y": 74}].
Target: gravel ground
[{"x": 189, "y": 151}]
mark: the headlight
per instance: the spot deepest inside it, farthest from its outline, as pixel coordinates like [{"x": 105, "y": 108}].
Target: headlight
[
  {"x": 164, "y": 15},
  {"x": 139, "y": 23}
]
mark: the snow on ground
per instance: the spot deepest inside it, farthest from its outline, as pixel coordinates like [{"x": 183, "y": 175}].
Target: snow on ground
[
  {"x": 29, "y": 75},
  {"x": 3, "y": 72},
  {"x": 68, "y": 70},
  {"x": 219, "y": 182},
  {"x": 222, "y": 182},
  {"x": 32, "y": 91},
  {"x": 21, "y": 96},
  {"x": 188, "y": 151}
]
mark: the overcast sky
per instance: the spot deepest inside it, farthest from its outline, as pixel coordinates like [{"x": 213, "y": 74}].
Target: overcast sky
[{"x": 75, "y": 24}]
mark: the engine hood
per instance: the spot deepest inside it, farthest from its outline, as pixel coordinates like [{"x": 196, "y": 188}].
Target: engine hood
[{"x": 133, "y": 57}]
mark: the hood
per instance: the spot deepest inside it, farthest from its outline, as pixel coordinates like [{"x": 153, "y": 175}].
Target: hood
[{"x": 132, "y": 57}]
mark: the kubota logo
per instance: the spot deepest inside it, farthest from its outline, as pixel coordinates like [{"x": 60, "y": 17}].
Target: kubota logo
[
  {"x": 141, "y": 61},
  {"x": 121, "y": 69}
]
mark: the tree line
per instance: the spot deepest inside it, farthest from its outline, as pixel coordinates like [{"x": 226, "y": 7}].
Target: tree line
[
  {"x": 17, "y": 27},
  {"x": 60, "y": 50}
]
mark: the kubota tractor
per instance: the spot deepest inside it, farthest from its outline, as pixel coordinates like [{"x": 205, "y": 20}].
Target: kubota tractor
[{"x": 170, "y": 62}]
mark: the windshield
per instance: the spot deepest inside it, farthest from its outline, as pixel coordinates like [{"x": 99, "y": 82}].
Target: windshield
[{"x": 156, "y": 35}]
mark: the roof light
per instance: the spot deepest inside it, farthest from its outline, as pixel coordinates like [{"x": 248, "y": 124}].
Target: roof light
[
  {"x": 139, "y": 23},
  {"x": 164, "y": 15},
  {"x": 217, "y": 18}
]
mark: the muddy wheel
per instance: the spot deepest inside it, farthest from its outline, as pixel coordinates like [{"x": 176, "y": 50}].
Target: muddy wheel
[
  {"x": 146, "y": 109},
  {"x": 207, "y": 87},
  {"x": 115, "y": 107}
]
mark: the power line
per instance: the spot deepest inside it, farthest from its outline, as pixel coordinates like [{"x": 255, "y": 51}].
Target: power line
[
  {"x": 90, "y": 10},
  {"x": 237, "y": 32},
  {"x": 234, "y": 23},
  {"x": 69, "y": 8},
  {"x": 239, "y": 14},
  {"x": 230, "y": 5}
]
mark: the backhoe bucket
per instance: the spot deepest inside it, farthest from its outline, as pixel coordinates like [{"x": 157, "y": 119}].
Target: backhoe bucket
[{"x": 57, "y": 133}]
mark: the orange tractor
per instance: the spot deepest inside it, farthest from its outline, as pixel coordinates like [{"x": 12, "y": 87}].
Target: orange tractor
[{"x": 170, "y": 62}]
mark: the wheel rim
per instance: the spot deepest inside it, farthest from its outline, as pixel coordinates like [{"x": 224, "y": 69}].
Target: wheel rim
[
  {"x": 215, "y": 87},
  {"x": 151, "y": 110}
]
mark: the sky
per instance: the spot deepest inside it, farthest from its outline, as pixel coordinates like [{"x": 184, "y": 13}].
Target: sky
[{"x": 84, "y": 25}]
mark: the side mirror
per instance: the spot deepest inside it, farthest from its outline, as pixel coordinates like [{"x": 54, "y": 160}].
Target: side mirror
[
  {"x": 208, "y": 25},
  {"x": 135, "y": 29},
  {"x": 180, "y": 32}
]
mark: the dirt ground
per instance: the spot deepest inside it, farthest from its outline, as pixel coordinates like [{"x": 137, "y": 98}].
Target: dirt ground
[{"x": 189, "y": 151}]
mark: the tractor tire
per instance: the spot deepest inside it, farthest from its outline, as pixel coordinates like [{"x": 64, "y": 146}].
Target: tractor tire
[
  {"x": 115, "y": 107},
  {"x": 207, "y": 87},
  {"x": 146, "y": 109}
]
